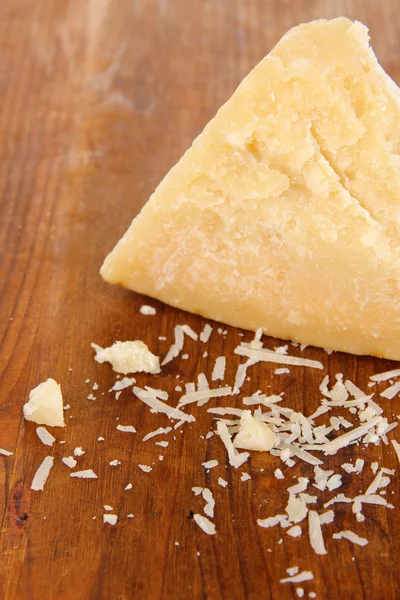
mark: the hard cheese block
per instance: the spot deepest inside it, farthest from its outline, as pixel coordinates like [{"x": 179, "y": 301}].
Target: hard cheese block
[{"x": 285, "y": 212}]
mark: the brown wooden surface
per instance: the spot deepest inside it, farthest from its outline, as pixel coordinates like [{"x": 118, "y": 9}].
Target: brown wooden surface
[{"x": 99, "y": 98}]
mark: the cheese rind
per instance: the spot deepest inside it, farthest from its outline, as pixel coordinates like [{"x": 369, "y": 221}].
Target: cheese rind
[{"x": 284, "y": 213}]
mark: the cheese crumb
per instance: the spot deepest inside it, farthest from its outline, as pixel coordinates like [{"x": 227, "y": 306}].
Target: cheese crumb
[
  {"x": 110, "y": 519},
  {"x": 128, "y": 357},
  {"x": 145, "y": 468},
  {"x": 147, "y": 310},
  {"x": 254, "y": 434},
  {"x": 222, "y": 482},
  {"x": 45, "y": 405},
  {"x": 69, "y": 461},
  {"x": 79, "y": 452}
]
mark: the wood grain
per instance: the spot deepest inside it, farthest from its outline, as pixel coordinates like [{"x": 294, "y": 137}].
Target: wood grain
[{"x": 99, "y": 99}]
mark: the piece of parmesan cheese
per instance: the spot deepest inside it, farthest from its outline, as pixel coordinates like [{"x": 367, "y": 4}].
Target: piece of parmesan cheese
[
  {"x": 42, "y": 474},
  {"x": 254, "y": 434},
  {"x": 159, "y": 407},
  {"x": 303, "y": 576},
  {"x": 351, "y": 536},
  {"x": 219, "y": 368},
  {"x": 126, "y": 428},
  {"x": 69, "y": 461},
  {"x": 205, "y": 524},
  {"x": 147, "y": 310},
  {"x": 110, "y": 519},
  {"x": 273, "y": 357},
  {"x": 128, "y": 357},
  {"x": 235, "y": 459},
  {"x": 44, "y": 436},
  {"x": 45, "y": 405},
  {"x": 315, "y": 533},
  {"x": 396, "y": 447},
  {"x": 86, "y": 474}
]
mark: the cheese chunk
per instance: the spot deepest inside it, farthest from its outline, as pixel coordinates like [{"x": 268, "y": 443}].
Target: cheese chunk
[
  {"x": 128, "y": 357},
  {"x": 285, "y": 212},
  {"x": 45, "y": 405},
  {"x": 254, "y": 434}
]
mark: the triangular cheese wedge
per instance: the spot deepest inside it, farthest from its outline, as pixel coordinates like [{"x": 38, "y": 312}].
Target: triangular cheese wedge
[{"x": 285, "y": 212}]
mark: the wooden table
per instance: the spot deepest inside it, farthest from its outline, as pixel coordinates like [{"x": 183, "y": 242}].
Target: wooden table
[{"x": 99, "y": 98}]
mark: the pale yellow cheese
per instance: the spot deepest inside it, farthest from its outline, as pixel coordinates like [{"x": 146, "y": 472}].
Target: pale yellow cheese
[
  {"x": 45, "y": 405},
  {"x": 285, "y": 212}
]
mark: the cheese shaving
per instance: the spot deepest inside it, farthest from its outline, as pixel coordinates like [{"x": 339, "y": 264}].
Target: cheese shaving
[
  {"x": 42, "y": 474},
  {"x": 303, "y": 576},
  {"x": 205, "y": 334},
  {"x": 210, "y": 464},
  {"x": 160, "y": 407},
  {"x": 86, "y": 474},
  {"x": 147, "y": 310},
  {"x": 110, "y": 519},
  {"x": 295, "y": 531},
  {"x": 69, "y": 461},
  {"x": 283, "y": 359},
  {"x": 44, "y": 436},
  {"x": 315, "y": 533},
  {"x": 145, "y": 468},
  {"x": 396, "y": 447},
  {"x": 126, "y": 428},
  {"x": 159, "y": 431},
  {"x": 351, "y": 536},
  {"x": 219, "y": 368},
  {"x": 205, "y": 524},
  {"x": 391, "y": 391},
  {"x": 386, "y": 375},
  {"x": 204, "y": 395},
  {"x": 5, "y": 452},
  {"x": 235, "y": 459}
]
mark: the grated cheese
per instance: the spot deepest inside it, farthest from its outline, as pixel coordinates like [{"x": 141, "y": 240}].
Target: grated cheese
[
  {"x": 69, "y": 461},
  {"x": 385, "y": 376},
  {"x": 303, "y": 576},
  {"x": 254, "y": 434},
  {"x": 295, "y": 531},
  {"x": 44, "y": 436},
  {"x": 205, "y": 334},
  {"x": 128, "y": 357},
  {"x": 315, "y": 533},
  {"x": 205, "y": 524},
  {"x": 235, "y": 459},
  {"x": 86, "y": 474},
  {"x": 209, "y": 507},
  {"x": 269, "y": 356},
  {"x": 396, "y": 447},
  {"x": 42, "y": 474},
  {"x": 5, "y": 452},
  {"x": 204, "y": 395},
  {"x": 391, "y": 391},
  {"x": 110, "y": 519},
  {"x": 219, "y": 368},
  {"x": 222, "y": 482},
  {"x": 351, "y": 536},
  {"x": 210, "y": 464},
  {"x": 159, "y": 431},
  {"x": 122, "y": 384},
  {"x": 79, "y": 452},
  {"x": 158, "y": 406},
  {"x": 126, "y": 428},
  {"x": 145, "y": 468},
  {"x": 147, "y": 310}
]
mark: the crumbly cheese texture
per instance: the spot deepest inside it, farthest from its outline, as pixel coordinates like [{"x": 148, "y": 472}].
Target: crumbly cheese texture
[
  {"x": 284, "y": 213},
  {"x": 254, "y": 434},
  {"x": 45, "y": 405},
  {"x": 128, "y": 357}
]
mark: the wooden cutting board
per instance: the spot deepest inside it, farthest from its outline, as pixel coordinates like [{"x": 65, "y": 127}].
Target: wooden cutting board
[{"x": 99, "y": 99}]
